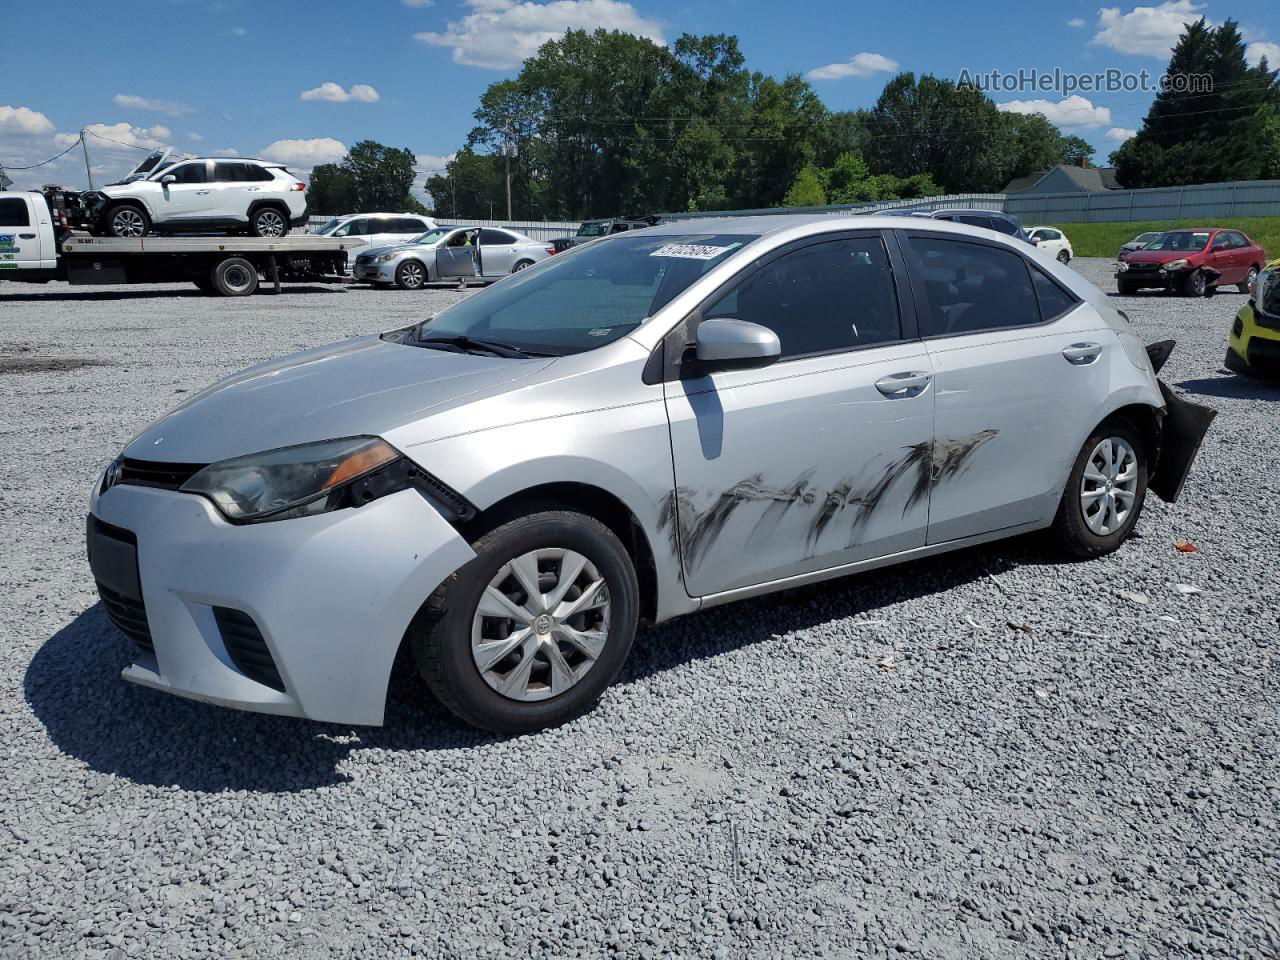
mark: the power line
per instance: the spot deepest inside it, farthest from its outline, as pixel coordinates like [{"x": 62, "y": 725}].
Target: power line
[{"x": 33, "y": 166}]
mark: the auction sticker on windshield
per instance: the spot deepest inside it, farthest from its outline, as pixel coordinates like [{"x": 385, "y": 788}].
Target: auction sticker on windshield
[{"x": 691, "y": 251}]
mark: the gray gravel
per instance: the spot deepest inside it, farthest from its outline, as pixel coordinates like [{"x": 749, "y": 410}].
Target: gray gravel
[{"x": 992, "y": 754}]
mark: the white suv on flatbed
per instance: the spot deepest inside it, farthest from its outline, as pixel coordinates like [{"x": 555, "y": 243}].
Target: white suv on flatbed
[{"x": 200, "y": 194}]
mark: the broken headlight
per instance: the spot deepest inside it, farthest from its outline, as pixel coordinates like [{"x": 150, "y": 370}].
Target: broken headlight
[{"x": 299, "y": 481}]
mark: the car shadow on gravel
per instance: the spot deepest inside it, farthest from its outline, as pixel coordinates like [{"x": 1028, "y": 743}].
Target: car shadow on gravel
[
  {"x": 73, "y": 687},
  {"x": 1233, "y": 387},
  {"x": 80, "y": 296}
]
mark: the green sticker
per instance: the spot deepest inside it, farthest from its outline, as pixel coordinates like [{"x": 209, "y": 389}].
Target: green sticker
[{"x": 8, "y": 266}]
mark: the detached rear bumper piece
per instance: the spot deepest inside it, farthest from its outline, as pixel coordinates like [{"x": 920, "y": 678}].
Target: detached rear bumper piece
[
  {"x": 301, "y": 617},
  {"x": 1185, "y": 424}
]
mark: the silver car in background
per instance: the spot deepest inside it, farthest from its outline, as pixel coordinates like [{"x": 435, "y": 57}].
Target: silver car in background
[
  {"x": 642, "y": 427},
  {"x": 447, "y": 253}
]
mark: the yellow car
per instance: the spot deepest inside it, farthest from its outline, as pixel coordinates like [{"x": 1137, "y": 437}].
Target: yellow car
[{"x": 1255, "y": 334}]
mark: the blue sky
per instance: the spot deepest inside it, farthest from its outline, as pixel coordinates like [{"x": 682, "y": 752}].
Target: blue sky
[{"x": 299, "y": 81}]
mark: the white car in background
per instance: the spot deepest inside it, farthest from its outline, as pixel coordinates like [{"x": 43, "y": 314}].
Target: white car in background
[
  {"x": 447, "y": 253},
  {"x": 369, "y": 230},
  {"x": 1053, "y": 242},
  {"x": 200, "y": 194}
]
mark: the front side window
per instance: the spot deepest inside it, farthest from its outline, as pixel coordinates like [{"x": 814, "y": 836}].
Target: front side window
[
  {"x": 197, "y": 172},
  {"x": 826, "y": 297},
  {"x": 13, "y": 212},
  {"x": 355, "y": 228},
  {"x": 588, "y": 297},
  {"x": 592, "y": 230},
  {"x": 431, "y": 236},
  {"x": 970, "y": 287},
  {"x": 1222, "y": 241}
]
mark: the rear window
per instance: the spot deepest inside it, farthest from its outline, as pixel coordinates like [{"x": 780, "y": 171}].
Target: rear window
[{"x": 13, "y": 212}]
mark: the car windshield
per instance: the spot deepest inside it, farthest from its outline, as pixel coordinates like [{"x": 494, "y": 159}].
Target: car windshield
[
  {"x": 1182, "y": 240},
  {"x": 431, "y": 236},
  {"x": 592, "y": 230},
  {"x": 586, "y": 298},
  {"x": 1146, "y": 238}
]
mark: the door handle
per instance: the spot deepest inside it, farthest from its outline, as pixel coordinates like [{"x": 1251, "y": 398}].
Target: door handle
[
  {"x": 202, "y": 193},
  {"x": 1082, "y": 353},
  {"x": 26, "y": 236},
  {"x": 909, "y": 384},
  {"x": 253, "y": 189}
]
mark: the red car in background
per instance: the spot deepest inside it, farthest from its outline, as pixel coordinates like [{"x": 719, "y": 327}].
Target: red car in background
[{"x": 1191, "y": 261}]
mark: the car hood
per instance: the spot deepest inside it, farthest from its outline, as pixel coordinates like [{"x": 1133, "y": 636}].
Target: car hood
[
  {"x": 396, "y": 248},
  {"x": 1160, "y": 256},
  {"x": 362, "y": 386}
]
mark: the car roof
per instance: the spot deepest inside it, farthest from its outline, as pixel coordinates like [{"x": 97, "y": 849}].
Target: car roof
[
  {"x": 764, "y": 224},
  {"x": 952, "y": 211},
  {"x": 1195, "y": 229}
]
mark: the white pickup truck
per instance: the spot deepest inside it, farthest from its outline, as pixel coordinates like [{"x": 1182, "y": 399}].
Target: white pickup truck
[{"x": 36, "y": 246}]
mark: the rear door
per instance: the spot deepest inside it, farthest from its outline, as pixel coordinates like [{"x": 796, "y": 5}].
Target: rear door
[
  {"x": 819, "y": 459},
  {"x": 1223, "y": 257},
  {"x": 20, "y": 240},
  {"x": 497, "y": 252},
  {"x": 230, "y": 188},
  {"x": 1019, "y": 367}
]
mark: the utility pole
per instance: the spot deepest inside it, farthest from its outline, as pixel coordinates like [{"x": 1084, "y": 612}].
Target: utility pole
[
  {"x": 507, "y": 149},
  {"x": 88, "y": 170}
]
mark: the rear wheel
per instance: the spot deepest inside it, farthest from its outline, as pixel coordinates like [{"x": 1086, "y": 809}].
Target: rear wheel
[
  {"x": 1104, "y": 493},
  {"x": 269, "y": 223},
  {"x": 531, "y": 631},
  {"x": 411, "y": 275},
  {"x": 1064, "y": 257},
  {"x": 522, "y": 265},
  {"x": 128, "y": 221},
  {"x": 1247, "y": 283},
  {"x": 234, "y": 277}
]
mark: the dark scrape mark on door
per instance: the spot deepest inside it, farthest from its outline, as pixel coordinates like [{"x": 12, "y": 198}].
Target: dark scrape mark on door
[
  {"x": 797, "y": 491},
  {"x": 951, "y": 457},
  {"x": 915, "y": 460}
]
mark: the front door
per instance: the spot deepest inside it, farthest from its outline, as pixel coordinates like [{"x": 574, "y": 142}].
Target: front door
[
  {"x": 819, "y": 459},
  {"x": 190, "y": 197},
  {"x": 1019, "y": 367},
  {"x": 20, "y": 234},
  {"x": 458, "y": 256}
]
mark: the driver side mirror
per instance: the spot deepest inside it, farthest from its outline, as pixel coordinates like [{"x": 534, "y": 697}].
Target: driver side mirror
[
  {"x": 727, "y": 344},
  {"x": 169, "y": 178}
]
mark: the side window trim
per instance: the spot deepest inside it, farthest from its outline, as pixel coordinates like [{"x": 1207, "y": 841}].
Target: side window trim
[
  {"x": 917, "y": 285},
  {"x": 681, "y": 336}
]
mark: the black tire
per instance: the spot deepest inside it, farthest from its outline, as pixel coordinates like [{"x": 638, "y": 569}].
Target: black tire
[
  {"x": 523, "y": 264},
  {"x": 1070, "y": 530},
  {"x": 441, "y": 633},
  {"x": 1251, "y": 276},
  {"x": 270, "y": 223},
  {"x": 234, "y": 277},
  {"x": 204, "y": 284},
  {"x": 1063, "y": 257},
  {"x": 411, "y": 275},
  {"x": 1238, "y": 364},
  {"x": 1126, "y": 289},
  {"x": 1195, "y": 283},
  {"x": 127, "y": 221}
]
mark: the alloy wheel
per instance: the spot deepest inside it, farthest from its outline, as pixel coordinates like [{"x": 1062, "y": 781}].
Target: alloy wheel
[
  {"x": 541, "y": 624},
  {"x": 128, "y": 223},
  {"x": 411, "y": 275},
  {"x": 270, "y": 224},
  {"x": 1109, "y": 485}
]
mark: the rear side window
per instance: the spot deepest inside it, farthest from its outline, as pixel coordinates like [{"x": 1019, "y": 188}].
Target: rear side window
[
  {"x": 357, "y": 228},
  {"x": 975, "y": 221},
  {"x": 230, "y": 172},
  {"x": 822, "y": 298},
  {"x": 13, "y": 212},
  {"x": 496, "y": 238},
  {"x": 407, "y": 225},
  {"x": 1238, "y": 240},
  {"x": 1006, "y": 226},
  {"x": 255, "y": 173},
  {"x": 970, "y": 287},
  {"x": 1054, "y": 300}
]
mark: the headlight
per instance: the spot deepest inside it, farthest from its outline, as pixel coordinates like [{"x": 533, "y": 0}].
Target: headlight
[
  {"x": 297, "y": 481},
  {"x": 1121, "y": 266},
  {"x": 1261, "y": 282},
  {"x": 1173, "y": 265},
  {"x": 385, "y": 257}
]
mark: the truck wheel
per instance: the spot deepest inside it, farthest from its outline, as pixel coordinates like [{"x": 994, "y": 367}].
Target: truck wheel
[
  {"x": 269, "y": 223},
  {"x": 204, "y": 284},
  {"x": 411, "y": 275},
  {"x": 128, "y": 221},
  {"x": 235, "y": 277}
]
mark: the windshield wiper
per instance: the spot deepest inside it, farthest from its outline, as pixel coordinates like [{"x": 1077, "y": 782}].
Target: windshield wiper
[{"x": 470, "y": 344}]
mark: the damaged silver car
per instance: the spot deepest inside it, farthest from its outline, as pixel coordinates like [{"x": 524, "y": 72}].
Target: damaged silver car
[{"x": 644, "y": 426}]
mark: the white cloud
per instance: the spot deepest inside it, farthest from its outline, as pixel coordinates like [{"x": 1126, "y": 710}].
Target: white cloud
[
  {"x": 1073, "y": 111},
  {"x": 418, "y": 3},
  {"x": 24, "y": 121},
  {"x": 1146, "y": 31},
  {"x": 195, "y": 137},
  {"x": 170, "y": 108},
  {"x": 305, "y": 153},
  {"x": 239, "y": 32},
  {"x": 859, "y": 65},
  {"x": 500, "y": 34},
  {"x": 226, "y": 152},
  {"x": 1256, "y": 51},
  {"x": 1078, "y": 23},
  {"x": 430, "y": 162},
  {"x": 120, "y": 136},
  {"x": 335, "y": 93},
  {"x": 1119, "y": 134}
]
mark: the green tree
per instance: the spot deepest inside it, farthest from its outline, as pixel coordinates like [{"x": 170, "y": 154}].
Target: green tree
[
  {"x": 806, "y": 190},
  {"x": 381, "y": 177},
  {"x": 471, "y": 187},
  {"x": 331, "y": 189}
]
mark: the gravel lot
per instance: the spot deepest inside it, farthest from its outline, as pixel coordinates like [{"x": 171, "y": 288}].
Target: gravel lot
[{"x": 992, "y": 754}]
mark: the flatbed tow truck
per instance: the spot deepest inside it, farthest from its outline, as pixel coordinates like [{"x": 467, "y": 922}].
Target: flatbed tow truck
[{"x": 38, "y": 244}]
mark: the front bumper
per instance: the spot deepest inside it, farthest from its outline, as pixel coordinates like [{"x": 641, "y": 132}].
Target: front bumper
[
  {"x": 374, "y": 272},
  {"x": 331, "y": 596},
  {"x": 1255, "y": 339}
]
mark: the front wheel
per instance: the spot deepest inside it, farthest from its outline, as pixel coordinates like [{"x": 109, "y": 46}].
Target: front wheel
[
  {"x": 532, "y": 630},
  {"x": 411, "y": 275},
  {"x": 1195, "y": 284},
  {"x": 268, "y": 223},
  {"x": 1105, "y": 492},
  {"x": 1248, "y": 281},
  {"x": 1126, "y": 289},
  {"x": 128, "y": 222}
]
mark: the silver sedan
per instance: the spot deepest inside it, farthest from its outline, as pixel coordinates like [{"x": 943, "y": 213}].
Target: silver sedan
[
  {"x": 447, "y": 253},
  {"x": 647, "y": 425}
]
